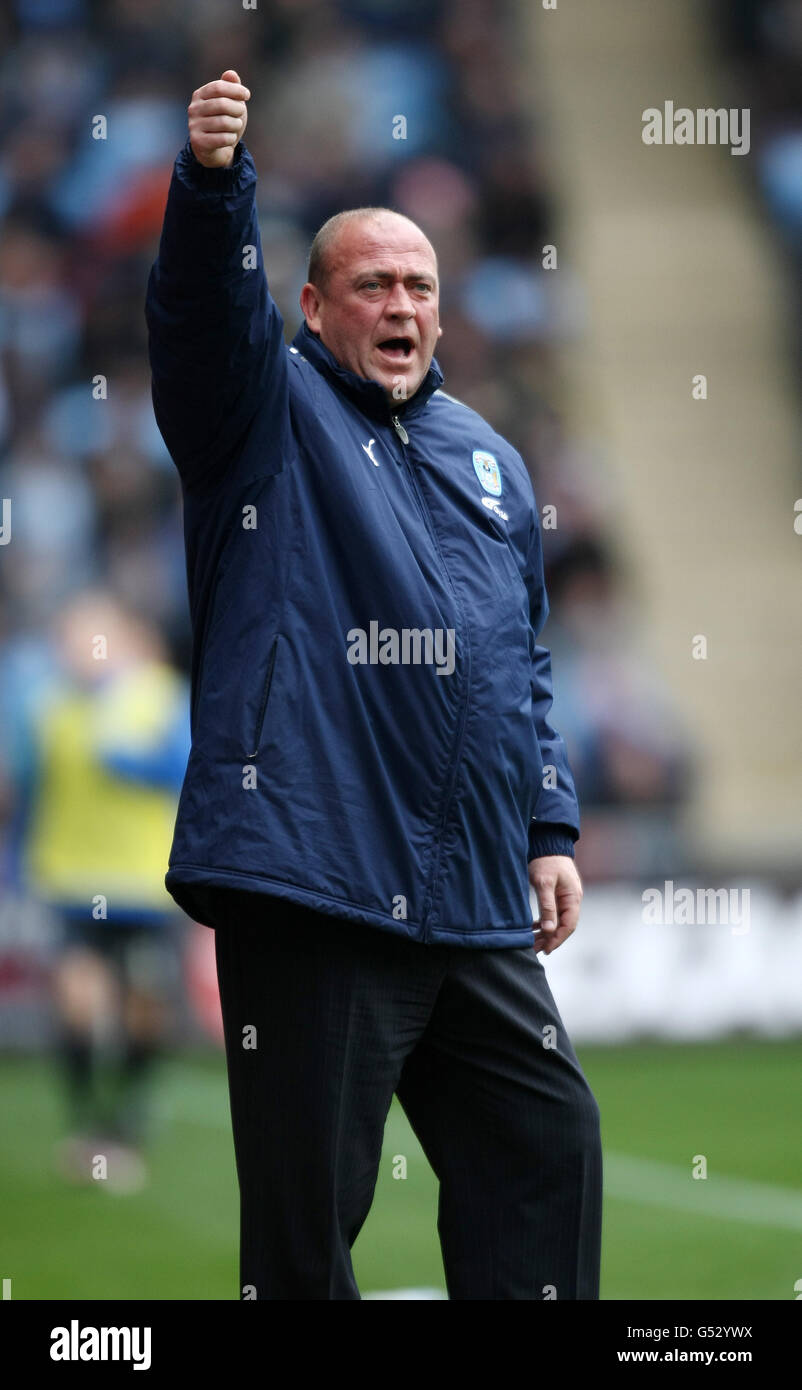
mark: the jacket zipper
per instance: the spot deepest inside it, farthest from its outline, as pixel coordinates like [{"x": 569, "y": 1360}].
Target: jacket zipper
[
  {"x": 463, "y": 719},
  {"x": 265, "y": 696},
  {"x": 427, "y": 520}
]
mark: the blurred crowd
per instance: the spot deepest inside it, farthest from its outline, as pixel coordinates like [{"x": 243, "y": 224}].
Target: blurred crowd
[
  {"x": 762, "y": 43},
  {"x": 94, "y": 496},
  {"x": 93, "y": 98}
]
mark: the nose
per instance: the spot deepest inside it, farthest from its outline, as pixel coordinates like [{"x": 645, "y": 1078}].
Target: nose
[{"x": 398, "y": 304}]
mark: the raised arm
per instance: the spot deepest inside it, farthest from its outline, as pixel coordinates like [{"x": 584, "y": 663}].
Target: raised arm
[{"x": 215, "y": 336}]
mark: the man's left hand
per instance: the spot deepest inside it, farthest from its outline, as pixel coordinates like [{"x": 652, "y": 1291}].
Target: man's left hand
[{"x": 558, "y": 889}]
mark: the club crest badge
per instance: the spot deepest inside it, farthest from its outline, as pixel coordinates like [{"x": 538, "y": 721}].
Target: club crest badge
[{"x": 487, "y": 471}]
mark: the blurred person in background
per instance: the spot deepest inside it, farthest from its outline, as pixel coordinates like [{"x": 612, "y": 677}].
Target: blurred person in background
[{"x": 109, "y": 746}]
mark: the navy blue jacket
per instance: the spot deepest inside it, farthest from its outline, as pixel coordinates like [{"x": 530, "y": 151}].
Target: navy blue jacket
[{"x": 369, "y": 713}]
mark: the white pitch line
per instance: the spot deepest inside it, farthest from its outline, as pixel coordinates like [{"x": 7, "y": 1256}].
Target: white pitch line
[{"x": 653, "y": 1183}]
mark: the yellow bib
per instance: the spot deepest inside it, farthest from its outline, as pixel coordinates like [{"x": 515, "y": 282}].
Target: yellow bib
[{"x": 94, "y": 832}]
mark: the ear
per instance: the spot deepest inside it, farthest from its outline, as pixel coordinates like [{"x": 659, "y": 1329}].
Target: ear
[
  {"x": 439, "y": 332},
  {"x": 310, "y": 304}
]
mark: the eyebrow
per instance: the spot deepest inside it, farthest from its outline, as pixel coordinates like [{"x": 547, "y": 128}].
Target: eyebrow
[{"x": 388, "y": 275}]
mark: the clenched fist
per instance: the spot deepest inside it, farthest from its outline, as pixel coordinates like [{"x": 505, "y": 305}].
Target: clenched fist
[{"x": 217, "y": 120}]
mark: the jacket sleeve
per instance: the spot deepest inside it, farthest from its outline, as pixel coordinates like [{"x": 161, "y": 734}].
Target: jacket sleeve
[
  {"x": 215, "y": 335},
  {"x": 555, "y": 825}
]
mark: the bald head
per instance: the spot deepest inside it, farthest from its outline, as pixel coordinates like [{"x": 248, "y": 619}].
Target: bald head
[
  {"x": 372, "y": 297},
  {"x": 323, "y": 251}
]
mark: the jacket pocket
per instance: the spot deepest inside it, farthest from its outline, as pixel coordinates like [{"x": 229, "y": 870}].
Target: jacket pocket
[
  {"x": 268, "y": 681},
  {"x": 196, "y": 703}
]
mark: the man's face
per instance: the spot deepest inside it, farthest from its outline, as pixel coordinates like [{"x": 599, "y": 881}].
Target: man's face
[{"x": 378, "y": 312}]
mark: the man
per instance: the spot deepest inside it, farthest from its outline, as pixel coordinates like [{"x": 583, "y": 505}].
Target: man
[{"x": 372, "y": 765}]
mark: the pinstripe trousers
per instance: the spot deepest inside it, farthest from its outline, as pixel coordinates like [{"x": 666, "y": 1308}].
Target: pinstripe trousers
[{"x": 324, "y": 1021}]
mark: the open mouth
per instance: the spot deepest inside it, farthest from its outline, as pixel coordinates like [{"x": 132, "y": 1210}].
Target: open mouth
[{"x": 399, "y": 348}]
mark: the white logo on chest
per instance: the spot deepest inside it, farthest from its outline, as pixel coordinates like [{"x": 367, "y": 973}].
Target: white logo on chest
[
  {"x": 493, "y": 506},
  {"x": 367, "y": 447}
]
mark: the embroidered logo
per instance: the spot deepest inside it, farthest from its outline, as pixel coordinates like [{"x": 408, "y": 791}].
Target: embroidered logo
[{"x": 487, "y": 471}]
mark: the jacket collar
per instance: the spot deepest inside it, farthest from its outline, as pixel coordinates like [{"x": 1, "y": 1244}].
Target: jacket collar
[{"x": 368, "y": 395}]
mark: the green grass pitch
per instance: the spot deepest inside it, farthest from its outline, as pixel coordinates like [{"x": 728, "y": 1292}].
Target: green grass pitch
[{"x": 735, "y": 1234}]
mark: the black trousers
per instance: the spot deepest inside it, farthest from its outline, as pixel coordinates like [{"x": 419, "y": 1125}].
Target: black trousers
[{"x": 324, "y": 1020}]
